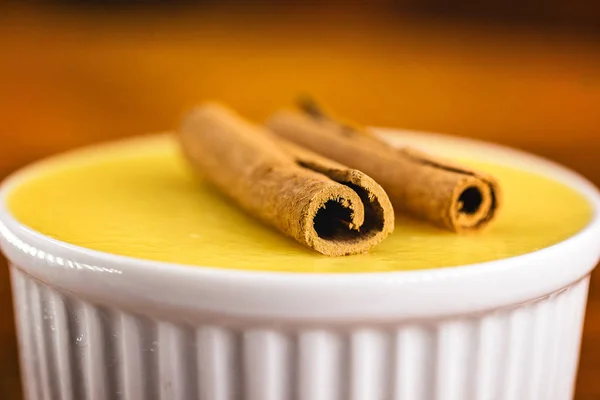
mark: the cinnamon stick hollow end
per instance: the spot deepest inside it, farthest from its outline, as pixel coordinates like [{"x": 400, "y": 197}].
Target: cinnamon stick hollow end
[
  {"x": 458, "y": 198},
  {"x": 474, "y": 203},
  {"x": 321, "y": 204},
  {"x": 350, "y": 224},
  {"x": 444, "y": 193}
]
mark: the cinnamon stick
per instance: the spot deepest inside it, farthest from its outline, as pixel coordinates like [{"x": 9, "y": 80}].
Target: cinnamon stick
[
  {"x": 442, "y": 192},
  {"x": 320, "y": 203}
]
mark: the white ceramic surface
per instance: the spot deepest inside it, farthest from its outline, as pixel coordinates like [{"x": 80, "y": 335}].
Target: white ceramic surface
[{"x": 94, "y": 326}]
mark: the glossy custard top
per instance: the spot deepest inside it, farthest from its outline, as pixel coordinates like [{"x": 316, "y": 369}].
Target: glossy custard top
[{"x": 138, "y": 198}]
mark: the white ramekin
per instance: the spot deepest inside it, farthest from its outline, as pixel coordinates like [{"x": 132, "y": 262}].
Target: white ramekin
[{"x": 95, "y": 326}]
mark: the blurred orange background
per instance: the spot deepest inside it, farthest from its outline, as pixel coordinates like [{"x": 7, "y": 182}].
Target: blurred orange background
[{"x": 74, "y": 73}]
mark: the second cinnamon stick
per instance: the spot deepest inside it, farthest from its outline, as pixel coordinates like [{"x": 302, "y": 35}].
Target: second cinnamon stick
[{"x": 437, "y": 190}]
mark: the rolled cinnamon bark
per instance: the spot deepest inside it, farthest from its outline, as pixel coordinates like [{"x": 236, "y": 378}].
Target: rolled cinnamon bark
[
  {"x": 320, "y": 203},
  {"x": 440, "y": 191}
]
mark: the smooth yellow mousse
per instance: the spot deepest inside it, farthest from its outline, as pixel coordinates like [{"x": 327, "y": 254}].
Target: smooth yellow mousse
[{"x": 138, "y": 198}]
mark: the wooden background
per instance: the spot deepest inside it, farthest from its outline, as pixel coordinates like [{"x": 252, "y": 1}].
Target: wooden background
[{"x": 70, "y": 79}]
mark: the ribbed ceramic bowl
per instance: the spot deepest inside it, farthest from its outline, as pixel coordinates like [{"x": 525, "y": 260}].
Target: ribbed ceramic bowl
[{"x": 95, "y": 326}]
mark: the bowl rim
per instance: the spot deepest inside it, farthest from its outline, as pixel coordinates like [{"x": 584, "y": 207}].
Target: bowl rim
[{"x": 272, "y": 294}]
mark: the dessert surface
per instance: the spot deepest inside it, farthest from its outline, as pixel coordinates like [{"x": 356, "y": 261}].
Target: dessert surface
[{"x": 138, "y": 198}]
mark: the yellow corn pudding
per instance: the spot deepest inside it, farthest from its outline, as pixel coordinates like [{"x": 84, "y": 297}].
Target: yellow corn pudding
[{"x": 138, "y": 198}]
